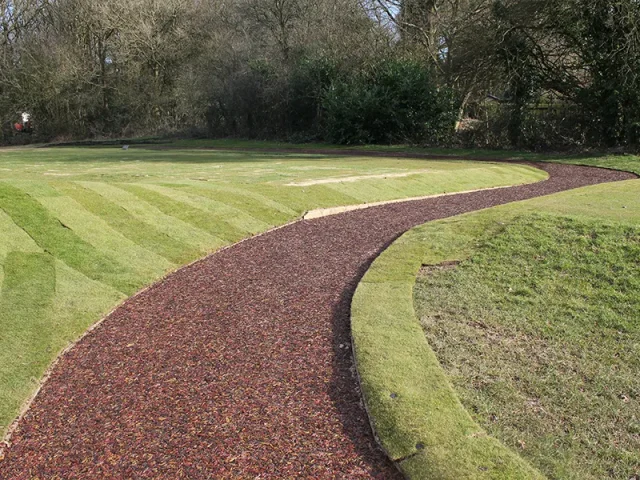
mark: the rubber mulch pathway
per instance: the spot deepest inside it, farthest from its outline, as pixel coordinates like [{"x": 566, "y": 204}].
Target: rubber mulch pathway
[{"x": 238, "y": 366}]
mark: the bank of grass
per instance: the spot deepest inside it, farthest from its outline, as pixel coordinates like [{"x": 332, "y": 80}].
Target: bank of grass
[
  {"x": 531, "y": 346},
  {"x": 83, "y": 228}
]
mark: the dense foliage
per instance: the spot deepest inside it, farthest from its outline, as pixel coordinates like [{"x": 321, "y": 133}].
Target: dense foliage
[
  {"x": 533, "y": 74},
  {"x": 396, "y": 101}
]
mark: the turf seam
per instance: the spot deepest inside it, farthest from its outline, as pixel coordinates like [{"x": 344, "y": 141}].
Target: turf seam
[
  {"x": 44, "y": 249},
  {"x": 408, "y": 457}
]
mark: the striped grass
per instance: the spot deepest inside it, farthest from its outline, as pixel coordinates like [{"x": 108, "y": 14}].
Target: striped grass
[
  {"x": 96, "y": 231},
  {"x": 26, "y": 326},
  {"x": 173, "y": 227},
  {"x": 258, "y": 206},
  {"x": 217, "y": 219},
  {"x": 61, "y": 242},
  {"x": 97, "y": 224},
  {"x": 142, "y": 233}
]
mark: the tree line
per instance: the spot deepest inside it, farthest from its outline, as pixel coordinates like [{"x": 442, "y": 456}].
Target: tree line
[{"x": 533, "y": 74}]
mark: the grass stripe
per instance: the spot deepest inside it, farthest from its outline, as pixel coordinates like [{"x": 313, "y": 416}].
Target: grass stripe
[
  {"x": 240, "y": 219},
  {"x": 212, "y": 222},
  {"x": 302, "y": 199},
  {"x": 14, "y": 238},
  {"x": 168, "y": 225},
  {"x": 25, "y": 327},
  {"x": 246, "y": 191},
  {"x": 368, "y": 189},
  {"x": 257, "y": 206},
  {"x": 79, "y": 302},
  {"x": 37, "y": 189},
  {"x": 143, "y": 234},
  {"x": 93, "y": 229},
  {"x": 54, "y": 237}
]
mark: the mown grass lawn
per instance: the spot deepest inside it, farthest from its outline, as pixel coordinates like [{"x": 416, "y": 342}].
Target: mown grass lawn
[
  {"x": 529, "y": 363},
  {"x": 538, "y": 327},
  {"x": 81, "y": 229},
  {"x": 626, "y": 162}
]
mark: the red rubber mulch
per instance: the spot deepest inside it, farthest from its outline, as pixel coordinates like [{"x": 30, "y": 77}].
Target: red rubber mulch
[{"x": 238, "y": 366}]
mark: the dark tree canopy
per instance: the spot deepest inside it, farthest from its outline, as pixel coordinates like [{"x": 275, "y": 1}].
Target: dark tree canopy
[{"x": 523, "y": 73}]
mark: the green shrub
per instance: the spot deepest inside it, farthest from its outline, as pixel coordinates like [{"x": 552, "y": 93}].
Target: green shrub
[
  {"x": 395, "y": 101},
  {"x": 309, "y": 80}
]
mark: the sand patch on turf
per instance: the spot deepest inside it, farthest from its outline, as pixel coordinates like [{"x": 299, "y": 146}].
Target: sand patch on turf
[{"x": 324, "y": 181}]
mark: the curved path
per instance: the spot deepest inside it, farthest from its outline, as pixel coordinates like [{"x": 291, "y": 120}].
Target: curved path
[{"x": 238, "y": 366}]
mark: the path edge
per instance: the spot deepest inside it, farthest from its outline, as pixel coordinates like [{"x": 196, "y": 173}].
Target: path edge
[
  {"x": 5, "y": 441},
  {"x": 327, "y": 212},
  {"x": 385, "y": 326}
]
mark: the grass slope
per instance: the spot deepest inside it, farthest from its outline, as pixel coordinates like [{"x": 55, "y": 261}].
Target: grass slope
[
  {"x": 416, "y": 414},
  {"x": 141, "y": 233},
  {"x": 25, "y": 318},
  {"x": 218, "y": 225},
  {"x": 82, "y": 228},
  {"x": 60, "y": 241},
  {"x": 537, "y": 333}
]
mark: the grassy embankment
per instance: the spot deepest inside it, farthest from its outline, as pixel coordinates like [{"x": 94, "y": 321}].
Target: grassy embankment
[{"x": 530, "y": 360}]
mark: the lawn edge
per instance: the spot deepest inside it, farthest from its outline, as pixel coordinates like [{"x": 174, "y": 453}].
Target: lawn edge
[
  {"x": 402, "y": 151},
  {"x": 5, "y": 442},
  {"x": 330, "y": 211},
  {"x": 383, "y": 326},
  {"x": 5, "y": 438}
]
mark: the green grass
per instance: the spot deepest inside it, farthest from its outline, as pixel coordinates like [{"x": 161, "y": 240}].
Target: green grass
[
  {"x": 256, "y": 205},
  {"x": 146, "y": 235},
  {"x": 531, "y": 346},
  {"x": 83, "y": 228},
  {"x": 220, "y": 225},
  {"x": 58, "y": 240},
  {"x": 25, "y": 327},
  {"x": 539, "y": 333},
  {"x": 416, "y": 414},
  {"x": 627, "y": 162}
]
